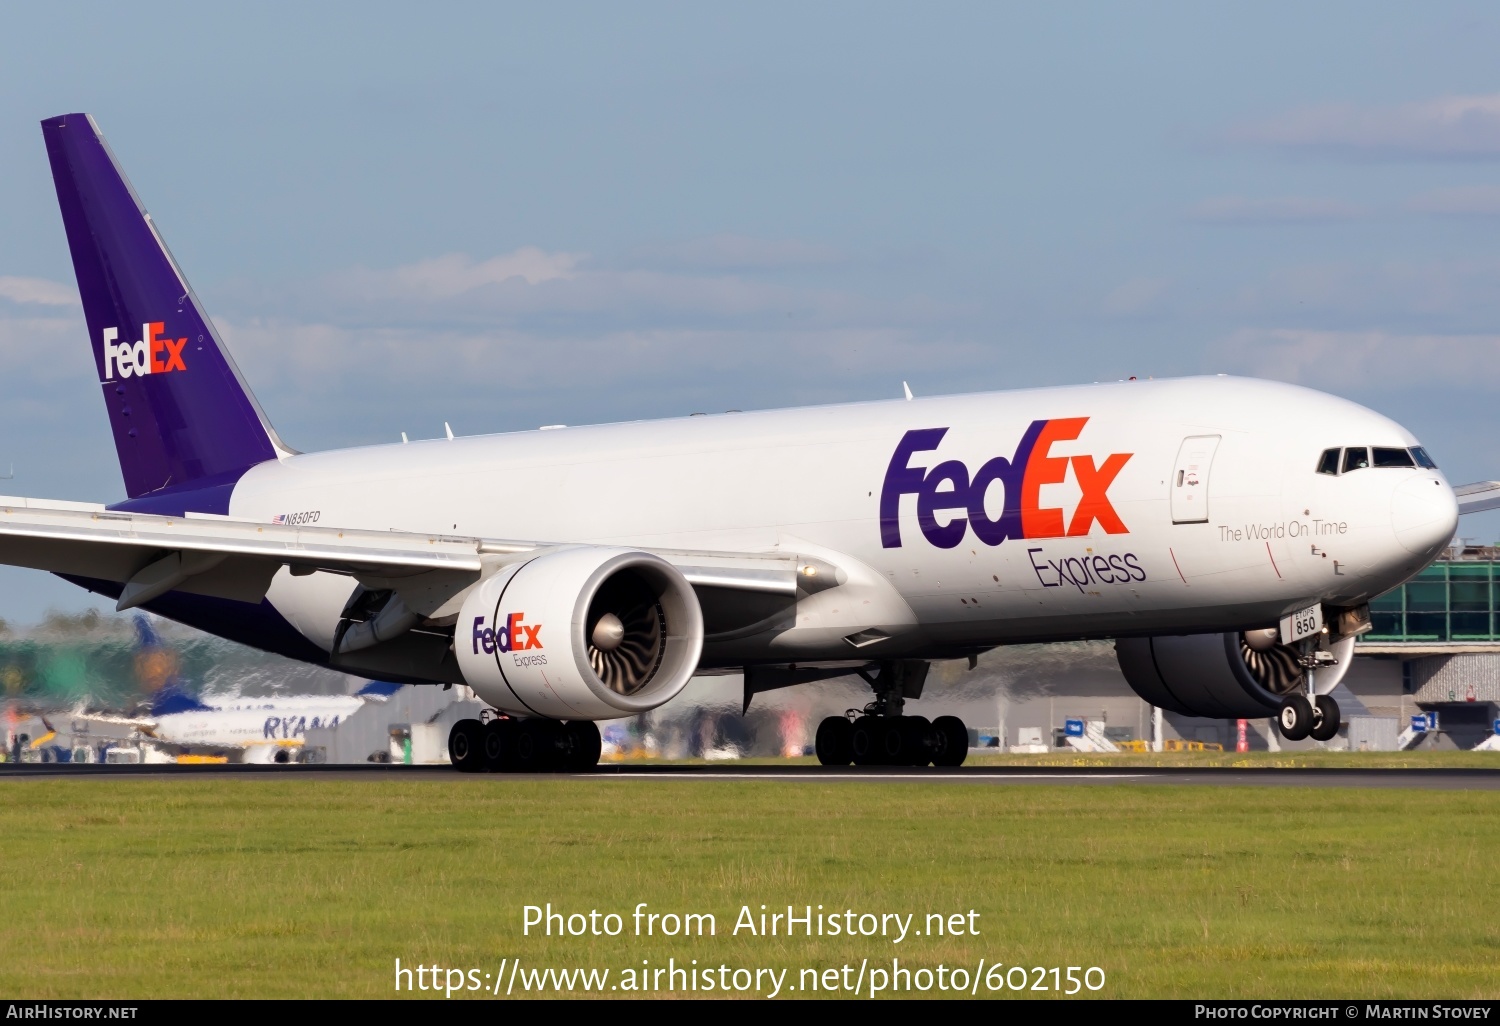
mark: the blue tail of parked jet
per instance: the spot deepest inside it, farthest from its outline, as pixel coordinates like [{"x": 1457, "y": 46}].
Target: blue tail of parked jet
[{"x": 185, "y": 424}]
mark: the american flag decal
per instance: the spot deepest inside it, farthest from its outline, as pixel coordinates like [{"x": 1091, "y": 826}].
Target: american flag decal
[{"x": 279, "y": 518}]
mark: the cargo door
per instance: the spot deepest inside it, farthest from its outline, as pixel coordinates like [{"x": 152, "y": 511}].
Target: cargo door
[{"x": 1190, "y": 479}]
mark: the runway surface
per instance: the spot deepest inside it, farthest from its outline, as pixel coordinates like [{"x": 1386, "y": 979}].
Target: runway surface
[{"x": 1437, "y": 779}]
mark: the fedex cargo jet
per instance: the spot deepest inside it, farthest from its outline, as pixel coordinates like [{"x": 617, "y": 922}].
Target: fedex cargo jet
[{"x": 1228, "y": 533}]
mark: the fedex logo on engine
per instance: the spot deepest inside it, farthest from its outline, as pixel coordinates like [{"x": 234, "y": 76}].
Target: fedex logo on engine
[
  {"x": 949, "y": 489},
  {"x": 513, "y": 636},
  {"x": 149, "y": 354}
]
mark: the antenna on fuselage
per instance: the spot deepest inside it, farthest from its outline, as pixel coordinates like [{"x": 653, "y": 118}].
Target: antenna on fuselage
[
  {"x": 907, "y": 389},
  {"x": 448, "y": 431},
  {"x": 403, "y": 438}
]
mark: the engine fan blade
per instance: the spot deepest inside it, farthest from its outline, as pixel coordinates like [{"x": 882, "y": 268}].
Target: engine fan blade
[
  {"x": 1277, "y": 668},
  {"x": 627, "y": 616}
]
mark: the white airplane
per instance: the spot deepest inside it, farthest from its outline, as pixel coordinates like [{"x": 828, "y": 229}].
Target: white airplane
[
  {"x": 1229, "y": 533},
  {"x": 253, "y": 730}
]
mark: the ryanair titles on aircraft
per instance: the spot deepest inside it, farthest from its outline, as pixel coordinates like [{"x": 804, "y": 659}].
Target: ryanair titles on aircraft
[
  {"x": 511, "y": 636},
  {"x": 287, "y": 728},
  {"x": 149, "y": 354},
  {"x": 948, "y": 488}
]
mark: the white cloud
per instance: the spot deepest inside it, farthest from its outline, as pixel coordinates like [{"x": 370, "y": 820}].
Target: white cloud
[
  {"x": 1463, "y": 200},
  {"x": 1448, "y": 126},
  {"x": 34, "y": 349},
  {"x": 1446, "y": 296},
  {"x": 1377, "y": 360},
  {"x": 740, "y": 252},
  {"x": 455, "y": 274},
  {"x": 38, "y": 291},
  {"x": 320, "y": 358},
  {"x": 528, "y": 286},
  {"x": 1276, "y": 210},
  {"x": 1137, "y": 296}
]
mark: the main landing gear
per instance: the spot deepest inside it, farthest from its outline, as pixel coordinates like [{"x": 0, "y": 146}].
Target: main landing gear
[
  {"x": 532, "y": 745},
  {"x": 883, "y": 736},
  {"x": 1314, "y": 715}
]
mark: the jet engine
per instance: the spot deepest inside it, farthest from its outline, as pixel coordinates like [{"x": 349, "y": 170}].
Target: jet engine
[
  {"x": 1240, "y": 675},
  {"x": 580, "y": 633}
]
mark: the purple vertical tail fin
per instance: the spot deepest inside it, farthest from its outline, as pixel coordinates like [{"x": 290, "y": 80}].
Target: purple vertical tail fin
[{"x": 185, "y": 424}]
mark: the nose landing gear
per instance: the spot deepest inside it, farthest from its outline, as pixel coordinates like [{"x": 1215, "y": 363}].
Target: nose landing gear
[
  {"x": 1295, "y": 718},
  {"x": 1325, "y": 719},
  {"x": 1315, "y": 716},
  {"x": 883, "y": 736}
]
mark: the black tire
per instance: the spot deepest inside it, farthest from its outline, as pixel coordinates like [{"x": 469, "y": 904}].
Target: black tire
[
  {"x": 1326, "y": 717},
  {"x": 538, "y": 746},
  {"x": 583, "y": 744},
  {"x": 890, "y": 741},
  {"x": 466, "y": 746},
  {"x": 917, "y": 742},
  {"x": 1295, "y": 721},
  {"x": 865, "y": 739},
  {"x": 951, "y": 739},
  {"x": 495, "y": 745},
  {"x": 835, "y": 742}
]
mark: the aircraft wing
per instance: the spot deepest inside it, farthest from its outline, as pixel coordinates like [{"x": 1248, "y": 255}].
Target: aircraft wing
[
  {"x": 1478, "y": 497},
  {"x": 234, "y": 558}
]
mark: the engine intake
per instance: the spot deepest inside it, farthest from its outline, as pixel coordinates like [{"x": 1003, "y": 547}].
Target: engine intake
[
  {"x": 1239, "y": 675},
  {"x": 582, "y": 633}
]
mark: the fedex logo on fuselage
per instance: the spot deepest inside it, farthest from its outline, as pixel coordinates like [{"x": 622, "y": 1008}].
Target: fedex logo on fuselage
[
  {"x": 149, "y": 354},
  {"x": 949, "y": 489},
  {"x": 512, "y": 636}
]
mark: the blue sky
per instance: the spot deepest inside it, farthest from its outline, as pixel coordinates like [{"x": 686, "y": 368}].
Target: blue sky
[{"x": 504, "y": 216}]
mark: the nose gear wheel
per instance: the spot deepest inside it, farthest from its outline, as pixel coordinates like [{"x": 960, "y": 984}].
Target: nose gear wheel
[{"x": 637, "y": 634}]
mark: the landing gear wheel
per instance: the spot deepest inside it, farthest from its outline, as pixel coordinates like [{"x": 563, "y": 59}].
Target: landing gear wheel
[
  {"x": 865, "y": 741},
  {"x": 1326, "y": 715},
  {"x": 496, "y": 743},
  {"x": 835, "y": 742},
  {"x": 466, "y": 746},
  {"x": 583, "y": 744},
  {"x": 1295, "y": 718},
  {"x": 892, "y": 741},
  {"x": 537, "y": 744},
  {"x": 916, "y": 741},
  {"x": 951, "y": 739}
]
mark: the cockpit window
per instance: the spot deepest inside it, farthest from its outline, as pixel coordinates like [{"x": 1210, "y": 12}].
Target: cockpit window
[
  {"x": 1329, "y": 463},
  {"x": 1393, "y": 458},
  {"x": 1356, "y": 459},
  {"x": 1423, "y": 460}
]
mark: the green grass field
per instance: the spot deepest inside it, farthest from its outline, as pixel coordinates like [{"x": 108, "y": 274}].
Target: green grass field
[{"x": 264, "y": 887}]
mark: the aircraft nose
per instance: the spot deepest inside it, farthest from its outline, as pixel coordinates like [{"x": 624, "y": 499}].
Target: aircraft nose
[{"x": 1424, "y": 514}]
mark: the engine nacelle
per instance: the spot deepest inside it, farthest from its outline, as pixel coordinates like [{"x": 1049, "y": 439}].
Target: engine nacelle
[
  {"x": 581, "y": 633},
  {"x": 1224, "y": 676}
]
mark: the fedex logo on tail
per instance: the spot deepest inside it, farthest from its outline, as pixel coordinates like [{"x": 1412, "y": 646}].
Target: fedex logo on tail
[
  {"x": 513, "y": 636},
  {"x": 149, "y": 354},
  {"x": 951, "y": 490}
]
